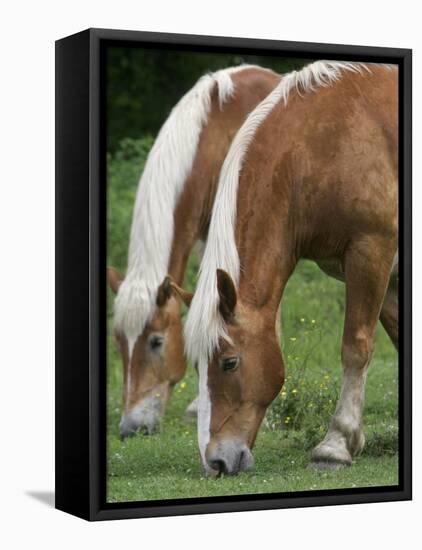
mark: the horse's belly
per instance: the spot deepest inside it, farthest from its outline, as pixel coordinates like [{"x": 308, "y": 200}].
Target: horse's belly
[{"x": 333, "y": 267}]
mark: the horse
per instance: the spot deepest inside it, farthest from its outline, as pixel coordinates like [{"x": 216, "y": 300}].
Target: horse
[
  {"x": 172, "y": 211},
  {"x": 312, "y": 173}
]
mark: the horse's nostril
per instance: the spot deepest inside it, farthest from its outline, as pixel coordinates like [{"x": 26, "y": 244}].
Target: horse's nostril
[
  {"x": 241, "y": 456},
  {"x": 219, "y": 466}
]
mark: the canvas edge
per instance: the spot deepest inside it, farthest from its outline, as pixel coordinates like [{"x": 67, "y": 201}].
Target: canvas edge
[{"x": 95, "y": 508}]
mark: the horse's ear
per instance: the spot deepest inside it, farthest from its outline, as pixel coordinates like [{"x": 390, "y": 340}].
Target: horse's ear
[
  {"x": 169, "y": 287},
  {"x": 114, "y": 279},
  {"x": 164, "y": 292},
  {"x": 227, "y": 294}
]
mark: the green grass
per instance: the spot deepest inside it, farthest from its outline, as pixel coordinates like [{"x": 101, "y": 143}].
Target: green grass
[{"x": 167, "y": 465}]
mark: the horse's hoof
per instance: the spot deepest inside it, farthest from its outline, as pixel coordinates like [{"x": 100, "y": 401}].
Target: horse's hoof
[
  {"x": 328, "y": 465},
  {"x": 330, "y": 457}
]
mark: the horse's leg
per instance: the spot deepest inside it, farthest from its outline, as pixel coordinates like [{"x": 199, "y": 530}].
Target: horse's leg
[
  {"x": 367, "y": 273},
  {"x": 389, "y": 315},
  {"x": 191, "y": 412}
]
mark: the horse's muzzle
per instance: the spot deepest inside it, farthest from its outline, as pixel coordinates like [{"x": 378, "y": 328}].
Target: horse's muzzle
[
  {"x": 128, "y": 428},
  {"x": 144, "y": 418},
  {"x": 229, "y": 457}
]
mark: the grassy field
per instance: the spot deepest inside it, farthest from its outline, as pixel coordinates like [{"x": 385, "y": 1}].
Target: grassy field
[{"x": 167, "y": 465}]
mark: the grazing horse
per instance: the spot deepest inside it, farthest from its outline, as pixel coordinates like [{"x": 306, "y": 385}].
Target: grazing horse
[
  {"x": 312, "y": 174},
  {"x": 172, "y": 211}
]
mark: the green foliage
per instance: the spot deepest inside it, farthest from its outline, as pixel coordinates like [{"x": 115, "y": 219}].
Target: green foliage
[
  {"x": 124, "y": 168},
  {"x": 308, "y": 396}
]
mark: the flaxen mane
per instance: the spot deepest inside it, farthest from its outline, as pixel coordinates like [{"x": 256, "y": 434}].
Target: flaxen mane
[{"x": 168, "y": 165}]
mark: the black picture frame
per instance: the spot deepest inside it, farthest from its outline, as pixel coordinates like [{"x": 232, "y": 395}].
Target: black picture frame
[{"x": 81, "y": 284}]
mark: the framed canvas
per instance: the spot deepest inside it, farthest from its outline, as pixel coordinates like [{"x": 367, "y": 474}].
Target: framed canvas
[{"x": 233, "y": 218}]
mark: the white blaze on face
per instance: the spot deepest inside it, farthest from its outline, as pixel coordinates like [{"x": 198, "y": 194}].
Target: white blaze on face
[{"x": 204, "y": 410}]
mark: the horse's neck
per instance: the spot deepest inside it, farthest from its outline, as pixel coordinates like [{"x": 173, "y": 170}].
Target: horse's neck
[
  {"x": 266, "y": 245},
  {"x": 193, "y": 212},
  {"x": 261, "y": 289}
]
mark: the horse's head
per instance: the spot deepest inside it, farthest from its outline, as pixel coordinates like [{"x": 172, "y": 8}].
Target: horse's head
[
  {"x": 236, "y": 386},
  {"x": 153, "y": 362}
]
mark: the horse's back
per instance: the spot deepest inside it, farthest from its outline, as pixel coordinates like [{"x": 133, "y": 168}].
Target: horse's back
[
  {"x": 252, "y": 85},
  {"x": 331, "y": 157}
]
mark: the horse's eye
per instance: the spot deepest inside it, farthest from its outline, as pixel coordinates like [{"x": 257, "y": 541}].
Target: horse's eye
[
  {"x": 155, "y": 342},
  {"x": 229, "y": 364}
]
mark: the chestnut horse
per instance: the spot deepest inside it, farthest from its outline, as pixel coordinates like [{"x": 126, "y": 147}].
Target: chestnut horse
[
  {"x": 311, "y": 174},
  {"x": 172, "y": 211}
]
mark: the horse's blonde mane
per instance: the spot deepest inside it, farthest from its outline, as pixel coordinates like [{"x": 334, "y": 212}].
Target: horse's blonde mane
[
  {"x": 166, "y": 170},
  {"x": 204, "y": 326}
]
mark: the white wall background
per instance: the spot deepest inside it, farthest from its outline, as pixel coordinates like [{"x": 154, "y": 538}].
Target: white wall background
[{"x": 29, "y": 29}]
